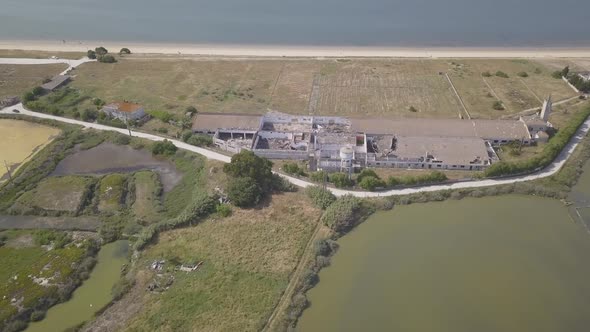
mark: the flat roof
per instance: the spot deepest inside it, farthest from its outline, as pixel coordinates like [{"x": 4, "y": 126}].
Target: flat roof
[
  {"x": 449, "y": 150},
  {"x": 487, "y": 129},
  {"x": 214, "y": 121},
  {"x": 55, "y": 82}
]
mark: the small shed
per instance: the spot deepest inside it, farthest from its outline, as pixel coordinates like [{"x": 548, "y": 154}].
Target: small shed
[{"x": 56, "y": 82}]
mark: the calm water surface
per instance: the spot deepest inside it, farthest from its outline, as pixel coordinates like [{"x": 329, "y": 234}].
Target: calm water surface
[
  {"x": 302, "y": 22},
  {"x": 94, "y": 293},
  {"x": 511, "y": 263}
]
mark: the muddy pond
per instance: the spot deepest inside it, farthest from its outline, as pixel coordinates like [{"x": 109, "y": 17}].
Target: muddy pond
[
  {"x": 509, "y": 263},
  {"x": 110, "y": 158},
  {"x": 91, "y": 296},
  {"x": 20, "y": 141}
]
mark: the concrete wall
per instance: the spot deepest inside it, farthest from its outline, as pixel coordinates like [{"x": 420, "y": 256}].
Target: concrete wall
[{"x": 282, "y": 154}]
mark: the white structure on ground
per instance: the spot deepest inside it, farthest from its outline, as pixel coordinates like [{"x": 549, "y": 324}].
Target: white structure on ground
[
  {"x": 338, "y": 143},
  {"x": 124, "y": 111},
  {"x": 546, "y": 109}
]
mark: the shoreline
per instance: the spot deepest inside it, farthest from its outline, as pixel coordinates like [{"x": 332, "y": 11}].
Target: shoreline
[{"x": 300, "y": 50}]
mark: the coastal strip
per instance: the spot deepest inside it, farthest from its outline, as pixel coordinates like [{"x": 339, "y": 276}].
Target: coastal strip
[{"x": 300, "y": 50}]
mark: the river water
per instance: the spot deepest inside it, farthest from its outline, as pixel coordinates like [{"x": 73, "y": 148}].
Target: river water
[
  {"x": 91, "y": 296},
  {"x": 302, "y": 22},
  {"x": 509, "y": 263}
]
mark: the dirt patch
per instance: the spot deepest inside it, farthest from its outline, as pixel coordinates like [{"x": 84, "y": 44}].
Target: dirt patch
[
  {"x": 110, "y": 158},
  {"x": 61, "y": 223}
]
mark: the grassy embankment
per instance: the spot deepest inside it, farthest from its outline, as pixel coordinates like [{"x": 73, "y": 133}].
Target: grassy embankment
[{"x": 37, "y": 277}]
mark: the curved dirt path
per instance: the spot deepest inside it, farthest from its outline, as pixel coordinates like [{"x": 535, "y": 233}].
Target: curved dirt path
[{"x": 553, "y": 168}]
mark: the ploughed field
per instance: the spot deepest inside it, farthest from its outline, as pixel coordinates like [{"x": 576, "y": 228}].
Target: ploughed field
[
  {"x": 350, "y": 87},
  {"x": 20, "y": 140}
]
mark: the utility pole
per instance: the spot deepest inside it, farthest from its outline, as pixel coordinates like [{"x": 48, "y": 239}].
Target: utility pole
[{"x": 7, "y": 170}]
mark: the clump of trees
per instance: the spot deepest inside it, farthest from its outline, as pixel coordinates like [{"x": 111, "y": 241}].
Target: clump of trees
[
  {"x": 164, "y": 147},
  {"x": 345, "y": 213},
  {"x": 320, "y": 197},
  {"x": 125, "y": 50},
  {"x": 251, "y": 179},
  {"x": 369, "y": 180},
  {"x": 293, "y": 169},
  {"x": 340, "y": 180}
]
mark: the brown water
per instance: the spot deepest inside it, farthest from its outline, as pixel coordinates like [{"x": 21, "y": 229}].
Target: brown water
[
  {"x": 110, "y": 158},
  {"x": 511, "y": 263}
]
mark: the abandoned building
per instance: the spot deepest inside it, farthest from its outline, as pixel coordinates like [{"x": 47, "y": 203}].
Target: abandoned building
[
  {"x": 343, "y": 144},
  {"x": 124, "y": 111}
]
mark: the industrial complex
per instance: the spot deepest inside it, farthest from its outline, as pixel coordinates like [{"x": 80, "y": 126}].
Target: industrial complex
[{"x": 338, "y": 143}]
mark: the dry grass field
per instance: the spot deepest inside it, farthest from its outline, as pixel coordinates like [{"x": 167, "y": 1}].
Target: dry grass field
[
  {"x": 16, "y": 79},
  {"x": 39, "y": 54},
  {"x": 351, "y": 87},
  {"x": 65, "y": 193},
  {"x": 247, "y": 260}
]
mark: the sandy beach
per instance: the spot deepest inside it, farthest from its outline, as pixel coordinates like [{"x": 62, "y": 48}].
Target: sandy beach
[{"x": 302, "y": 51}]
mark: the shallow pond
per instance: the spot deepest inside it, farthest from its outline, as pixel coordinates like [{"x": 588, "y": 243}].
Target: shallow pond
[
  {"x": 91, "y": 296},
  {"x": 111, "y": 158},
  {"x": 20, "y": 141},
  {"x": 510, "y": 263}
]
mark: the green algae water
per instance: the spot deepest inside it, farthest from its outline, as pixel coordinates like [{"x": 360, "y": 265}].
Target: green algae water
[
  {"x": 91, "y": 296},
  {"x": 509, "y": 263}
]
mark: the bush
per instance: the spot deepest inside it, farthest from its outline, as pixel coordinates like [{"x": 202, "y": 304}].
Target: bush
[
  {"x": 101, "y": 50},
  {"x": 344, "y": 214},
  {"x": 320, "y": 197},
  {"x": 164, "y": 147},
  {"x": 37, "y": 315},
  {"x": 433, "y": 177},
  {"x": 91, "y": 54},
  {"x": 37, "y": 91},
  {"x": 244, "y": 192},
  {"x": 191, "y": 109},
  {"x": 223, "y": 210},
  {"x": 556, "y": 74},
  {"x": 162, "y": 130},
  {"x": 486, "y": 74},
  {"x": 121, "y": 287},
  {"x": 413, "y": 109},
  {"x": 319, "y": 176},
  {"x": 124, "y": 50},
  {"x": 502, "y": 74},
  {"x": 565, "y": 71},
  {"x": 341, "y": 180},
  {"x": 89, "y": 115},
  {"x": 497, "y": 105},
  {"x": 107, "y": 58},
  {"x": 28, "y": 96},
  {"x": 293, "y": 169},
  {"x": 371, "y": 183},
  {"x": 162, "y": 116},
  {"x": 15, "y": 326},
  {"x": 122, "y": 139},
  {"x": 365, "y": 173},
  {"x": 523, "y": 74},
  {"x": 46, "y": 237},
  {"x": 200, "y": 140},
  {"x": 325, "y": 247}
]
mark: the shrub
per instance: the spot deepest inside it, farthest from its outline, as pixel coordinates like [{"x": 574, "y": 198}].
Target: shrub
[
  {"x": 186, "y": 135},
  {"x": 15, "y": 326},
  {"x": 371, "y": 183},
  {"x": 325, "y": 247},
  {"x": 367, "y": 172},
  {"x": 502, "y": 74},
  {"x": 124, "y": 50},
  {"x": 162, "y": 116},
  {"x": 164, "y": 147},
  {"x": 91, "y": 54},
  {"x": 192, "y": 110},
  {"x": 319, "y": 176},
  {"x": 223, "y": 210},
  {"x": 320, "y": 197},
  {"x": 497, "y": 105},
  {"x": 341, "y": 180},
  {"x": 37, "y": 91},
  {"x": 122, "y": 139},
  {"x": 556, "y": 74},
  {"x": 486, "y": 74},
  {"x": 89, "y": 115},
  {"x": 345, "y": 213},
  {"x": 162, "y": 130},
  {"x": 121, "y": 287},
  {"x": 293, "y": 169},
  {"x": 565, "y": 71},
  {"x": 107, "y": 58},
  {"x": 244, "y": 192},
  {"x": 28, "y": 96},
  {"x": 523, "y": 74},
  {"x": 413, "y": 109},
  {"x": 200, "y": 140},
  {"x": 37, "y": 315},
  {"x": 46, "y": 237},
  {"x": 101, "y": 50}
]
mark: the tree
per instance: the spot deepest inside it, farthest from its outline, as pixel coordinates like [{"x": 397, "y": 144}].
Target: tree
[
  {"x": 89, "y": 115},
  {"x": 101, "y": 50},
  {"x": 164, "y": 147},
  {"x": 191, "y": 110},
  {"x": 565, "y": 71},
  {"x": 107, "y": 58},
  {"x": 28, "y": 96},
  {"x": 91, "y": 54},
  {"x": 244, "y": 192},
  {"x": 37, "y": 91},
  {"x": 124, "y": 50},
  {"x": 293, "y": 169},
  {"x": 341, "y": 180},
  {"x": 371, "y": 183},
  {"x": 247, "y": 164}
]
